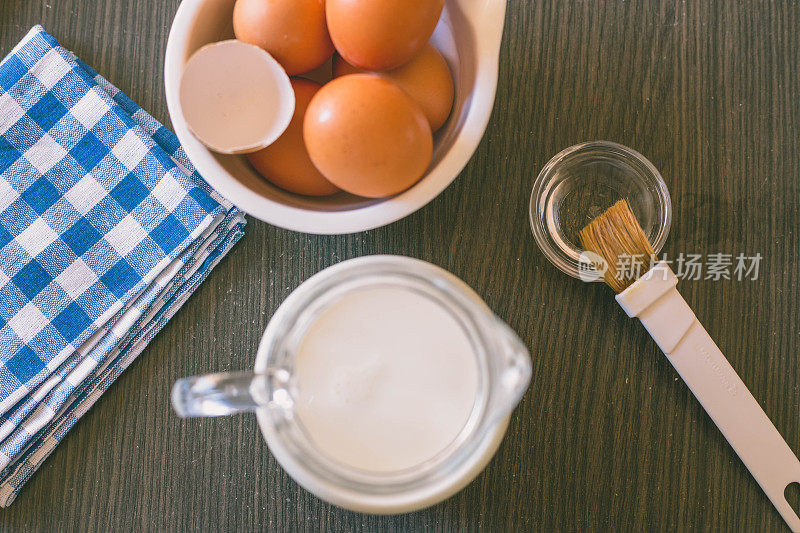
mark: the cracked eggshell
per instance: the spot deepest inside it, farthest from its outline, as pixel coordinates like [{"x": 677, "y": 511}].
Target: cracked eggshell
[{"x": 235, "y": 97}]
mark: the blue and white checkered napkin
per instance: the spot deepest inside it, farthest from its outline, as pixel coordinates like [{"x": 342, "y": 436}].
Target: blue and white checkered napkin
[{"x": 105, "y": 231}]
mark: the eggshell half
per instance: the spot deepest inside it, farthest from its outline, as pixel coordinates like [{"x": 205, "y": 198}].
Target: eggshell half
[{"x": 235, "y": 97}]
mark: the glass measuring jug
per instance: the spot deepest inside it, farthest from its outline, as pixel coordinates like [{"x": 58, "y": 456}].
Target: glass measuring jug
[{"x": 275, "y": 389}]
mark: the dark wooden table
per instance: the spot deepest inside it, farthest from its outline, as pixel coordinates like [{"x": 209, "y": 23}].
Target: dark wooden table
[{"x": 607, "y": 437}]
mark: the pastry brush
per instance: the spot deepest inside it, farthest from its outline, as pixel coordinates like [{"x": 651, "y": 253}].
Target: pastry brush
[{"x": 620, "y": 243}]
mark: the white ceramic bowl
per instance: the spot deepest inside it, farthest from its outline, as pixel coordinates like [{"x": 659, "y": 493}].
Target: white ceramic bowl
[{"x": 468, "y": 35}]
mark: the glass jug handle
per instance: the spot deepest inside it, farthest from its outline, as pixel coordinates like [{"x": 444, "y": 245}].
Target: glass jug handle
[{"x": 227, "y": 393}]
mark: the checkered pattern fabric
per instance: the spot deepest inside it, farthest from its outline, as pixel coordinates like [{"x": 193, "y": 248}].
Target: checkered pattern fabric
[{"x": 105, "y": 230}]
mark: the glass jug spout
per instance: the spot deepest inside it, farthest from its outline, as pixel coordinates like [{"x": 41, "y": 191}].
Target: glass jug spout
[
  {"x": 227, "y": 393},
  {"x": 513, "y": 374}
]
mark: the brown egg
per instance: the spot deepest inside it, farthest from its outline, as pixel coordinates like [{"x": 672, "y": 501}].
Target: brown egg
[
  {"x": 381, "y": 34},
  {"x": 367, "y": 136},
  {"x": 285, "y": 162},
  {"x": 426, "y": 79},
  {"x": 293, "y": 31}
]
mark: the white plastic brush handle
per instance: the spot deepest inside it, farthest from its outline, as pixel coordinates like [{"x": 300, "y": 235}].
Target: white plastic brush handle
[{"x": 655, "y": 301}]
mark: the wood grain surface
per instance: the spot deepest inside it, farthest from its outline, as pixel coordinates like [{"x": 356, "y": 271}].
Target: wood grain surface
[{"x": 608, "y": 437}]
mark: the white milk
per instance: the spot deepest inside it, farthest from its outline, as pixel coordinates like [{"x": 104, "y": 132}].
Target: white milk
[{"x": 386, "y": 379}]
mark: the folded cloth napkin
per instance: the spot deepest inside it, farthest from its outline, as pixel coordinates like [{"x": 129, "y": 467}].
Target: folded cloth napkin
[{"x": 105, "y": 231}]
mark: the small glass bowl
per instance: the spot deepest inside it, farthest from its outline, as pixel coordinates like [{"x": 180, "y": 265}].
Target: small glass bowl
[{"x": 581, "y": 182}]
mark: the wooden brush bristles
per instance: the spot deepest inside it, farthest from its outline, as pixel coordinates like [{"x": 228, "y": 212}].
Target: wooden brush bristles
[{"x": 617, "y": 237}]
